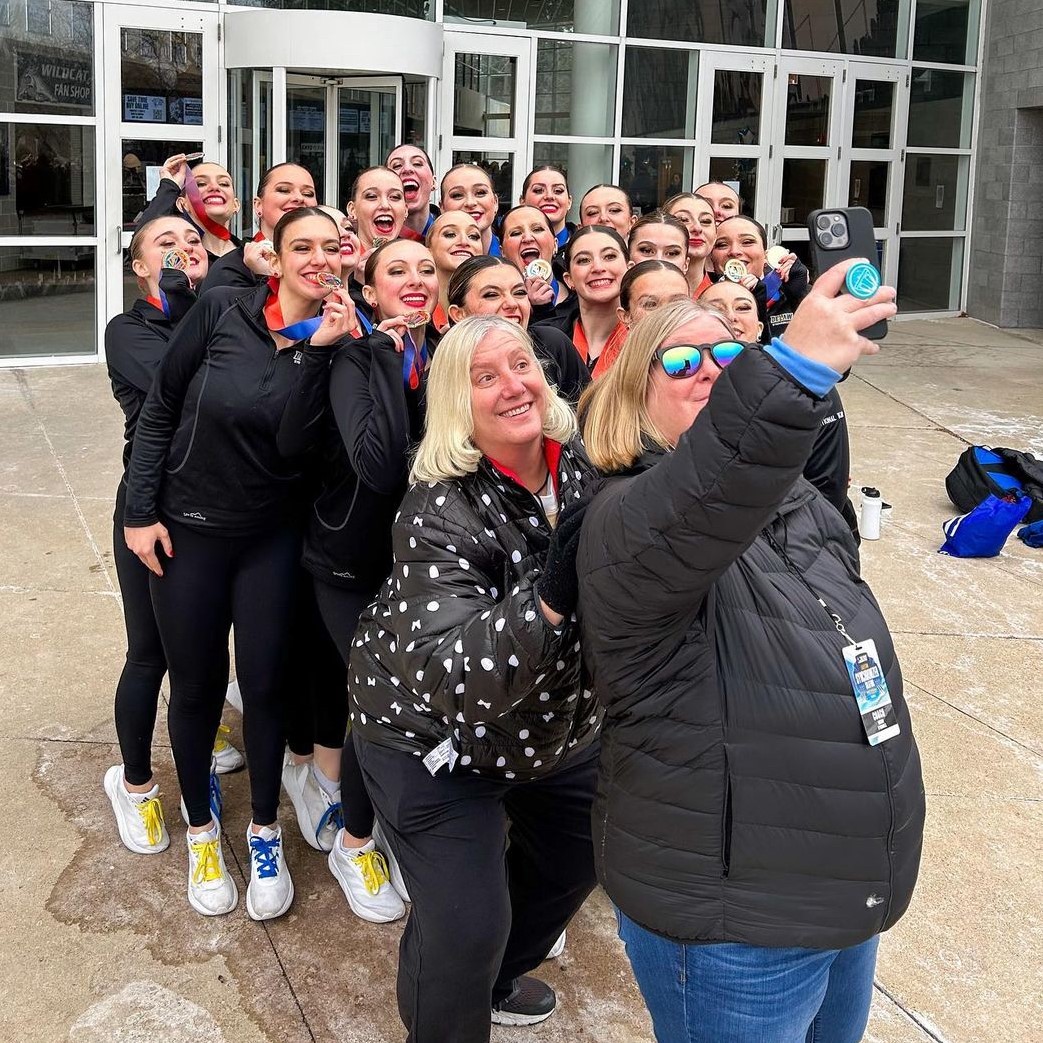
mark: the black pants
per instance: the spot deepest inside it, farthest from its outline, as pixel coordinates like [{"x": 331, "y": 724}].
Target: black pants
[
  {"x": 137, "y": 693},
  {"x": 484, "y": 910},
  {"x": 212, "y": 583},
  {"x": 340, "y": 610}
]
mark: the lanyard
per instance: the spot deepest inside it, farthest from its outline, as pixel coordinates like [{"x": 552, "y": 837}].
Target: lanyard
[
  {"x": 414, "y": 360},
  {"x": 295, "y": 331},
  {"x": 791, "y": 565}
]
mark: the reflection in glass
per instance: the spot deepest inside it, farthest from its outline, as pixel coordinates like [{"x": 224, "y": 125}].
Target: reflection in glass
[
  {"x": 250, "y": 152},
  {"x": 807, "y": 109},
  {"x": 743, "y": 171},
  {"x": 659, "y": 93},
  {"x": 929, "y": 273},
  {"x": 945, "y": 31},
  {"x": 162, "y": 76},
  {"x": 874, "y": 101},
  {"x": 600, "y": 17},
  {"x": 414, "y": 119},
  {"x": 736, "y": 107},
  {"x": 366, "y": 121},
  {"x": 46, "y": 301},
  {"x": 484, "y": 95},
  {"x": 935, "y": 197},
  {"x": 47, "y": 58},
  {"x": 738, "y": 22},
  {"x": 868, "y": 187},
  {"x": 584, "y": 165},
  {"x": 138, "y": 156},
  {"x": 653, "y": 173},
  {"x": 803, "y": 189},
  {"x": 575, "y": 88},
  {"x": 865, "y": 27},
  {"x": 46, "y": 179},
  {"x": 306, "y": 132},
  {"x": 940, "y": 107}
]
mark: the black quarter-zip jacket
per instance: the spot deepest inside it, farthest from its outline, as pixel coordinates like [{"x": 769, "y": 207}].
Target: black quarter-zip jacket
[{"x": 211, "y": 449}]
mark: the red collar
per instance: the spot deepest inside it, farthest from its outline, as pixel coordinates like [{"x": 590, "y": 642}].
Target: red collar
[
  {"x": 702, "y": 287},
  {"x": 156, "y": 303},
  {"x": 439, "y": 319},
  {"x": 551, "y": 454}
]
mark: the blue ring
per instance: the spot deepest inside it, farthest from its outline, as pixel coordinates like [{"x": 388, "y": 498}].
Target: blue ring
[{"x": 862, "y": 280}]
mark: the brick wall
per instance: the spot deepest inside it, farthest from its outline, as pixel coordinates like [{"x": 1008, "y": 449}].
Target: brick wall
[{"x": 1006, "y": 273}]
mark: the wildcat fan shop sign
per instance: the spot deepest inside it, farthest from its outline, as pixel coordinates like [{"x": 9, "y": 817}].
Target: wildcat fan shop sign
[{"x": 42, "y": 79}]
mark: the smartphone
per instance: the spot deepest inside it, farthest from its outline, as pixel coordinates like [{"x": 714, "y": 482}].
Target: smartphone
[{"x": 839, "y": 233}]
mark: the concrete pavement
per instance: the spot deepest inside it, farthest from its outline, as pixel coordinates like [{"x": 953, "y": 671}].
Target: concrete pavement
[{"x": 98, "y": 945}]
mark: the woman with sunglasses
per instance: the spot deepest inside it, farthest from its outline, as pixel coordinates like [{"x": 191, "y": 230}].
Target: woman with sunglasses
[
  {"x": 526, "y": 237},
  {"x": 546, "y": 188},
  {"x": 453, "y": 239},
  {"x": 469, "y": 187},
  {"x": 697, "y": 215},
  {"x": 595, "y": 263},
  {"x": 750, "y": 827}
]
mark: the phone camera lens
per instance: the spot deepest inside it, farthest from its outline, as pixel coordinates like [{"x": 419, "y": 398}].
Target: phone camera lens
[
  {"x": 838, "y": 230},
  {"x": 824, "y": 221},
  {"x": 825, "y": 238}
]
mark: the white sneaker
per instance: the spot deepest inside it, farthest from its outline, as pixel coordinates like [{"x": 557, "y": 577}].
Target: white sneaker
[
  {"x": 318, "y": 814},
  {"x": 363, "y": 877},
  {"x": 216, "y": 799},
  {"x": 226, "y": 757},
  {"x": 398, "y": 881},
  {"x": 211, "y": 891},
  {"x": 233, "y": 696},
  {"x": 139, "y": 816},
  {"x": 271, "y": 888},
  {"x": 557, "y": 948}
]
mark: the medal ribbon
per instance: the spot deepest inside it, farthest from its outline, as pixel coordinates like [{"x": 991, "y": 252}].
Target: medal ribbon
[
  {"x": 195, "y": 201},
  {"x": 772, "y": 286},
  {"x": 295, "y": 331},
  {"x": 414, "y": 361},
  {"x": 161, "y": 303}
]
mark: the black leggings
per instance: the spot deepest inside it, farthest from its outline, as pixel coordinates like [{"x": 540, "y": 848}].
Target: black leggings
[
  {"x": 137, "y": 694},
  {"x": 212, "y": 583},
  {"x": 340, "y": 610}
]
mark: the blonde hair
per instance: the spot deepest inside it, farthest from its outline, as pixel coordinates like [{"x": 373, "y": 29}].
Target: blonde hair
[
  {"x": 613, "y": 411},
  {"x": 447, "y": 450}
]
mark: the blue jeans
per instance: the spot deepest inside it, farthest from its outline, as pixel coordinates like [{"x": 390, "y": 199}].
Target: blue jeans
[{"x": 723, "y": 992}]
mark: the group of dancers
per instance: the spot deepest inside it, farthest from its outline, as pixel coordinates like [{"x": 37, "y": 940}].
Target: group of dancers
[{"x": 276, "y": 394}]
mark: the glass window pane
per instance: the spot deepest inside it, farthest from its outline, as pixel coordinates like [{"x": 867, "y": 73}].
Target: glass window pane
[
  {"x": 736, "y": 107},
  {"x": 659, "y": 93},
  {"x": 138, "y": 156},
  {"x": 584, "y": 165},
  {"x": 742, "y": 172},
  {"x": 868, "y": 28},
  {"x": 306, "y": 132},
  {"x": 807, "y": 109},
  {"x": 366, "y": 133},
  {"x": 162, "y": 76},
  {"x": 250, "y": 152},
  {"x": 868, "y": 187},
  {"x": 739, "y": 22},
  {"x": 47, "y": 58},
  {"x": 803, "y": 189},
  {"x": 597, "y": 18},
  {"x": 46, "y": 179},
  {"x": 414, "y": 119},
  {"x": 946, "y": 31},
  {"x": 484, "y": 95},
  {"x": 874, "y": 103},
  {"x": 940, "y": 109},
  {"x": 653, "y": 173},
  {"x": 47, "y": 307},
  {"x": 588, "y": 110},
  {"x": 929, "y": 273},
  {"x": 935, "y": 197}
]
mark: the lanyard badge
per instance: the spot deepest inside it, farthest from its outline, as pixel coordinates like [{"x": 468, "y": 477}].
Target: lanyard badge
[{"x": 871, "y": 694}]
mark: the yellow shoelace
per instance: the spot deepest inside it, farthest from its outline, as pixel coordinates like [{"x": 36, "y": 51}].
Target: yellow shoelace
[
  {"x": 151, "y": 812},
  {"x": 220, "y": 743},
  {"x": 374, "y": 870},
  {"x": 208, "y": 864}
]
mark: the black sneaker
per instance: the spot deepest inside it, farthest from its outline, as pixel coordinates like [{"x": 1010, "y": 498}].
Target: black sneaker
[{"x": 531, "y": 1002}]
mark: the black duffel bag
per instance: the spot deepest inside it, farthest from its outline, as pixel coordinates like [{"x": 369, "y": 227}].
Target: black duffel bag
[{"x": 982, "y": 471}]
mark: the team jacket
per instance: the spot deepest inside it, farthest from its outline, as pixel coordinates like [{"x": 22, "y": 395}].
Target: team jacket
[
  {"x": 738, "y": 798},
  {"x": 230, "y": 270},
  {"x": 211, "y": 450},
  {"x": 455, "y": 649}
]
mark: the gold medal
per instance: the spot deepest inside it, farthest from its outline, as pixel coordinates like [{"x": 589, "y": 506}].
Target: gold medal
[
  {"x": 539, "y": 269},
  {"x": 176, "y": 259},
  {"x": 774, "y": 256},
  {"x": 735, "y": 270}
]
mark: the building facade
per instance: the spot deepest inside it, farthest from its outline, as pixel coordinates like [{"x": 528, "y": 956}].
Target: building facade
[{"x": 804, "y": 103}]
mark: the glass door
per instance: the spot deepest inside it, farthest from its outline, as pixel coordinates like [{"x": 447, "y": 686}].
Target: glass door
[
  {"x": 806, "y": 147},
  {"x": 485, "y": 104},
  {"x": 161, "y": 97},
  {"x": 732, "y": 134},
  {"x": 871, "y": 167}
]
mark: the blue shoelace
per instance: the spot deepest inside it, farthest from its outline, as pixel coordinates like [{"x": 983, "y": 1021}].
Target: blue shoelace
[
  {"x": 335, "y": 814},
  {"x": 265, "y": 853},
  {"x": 216, "y": 800}
]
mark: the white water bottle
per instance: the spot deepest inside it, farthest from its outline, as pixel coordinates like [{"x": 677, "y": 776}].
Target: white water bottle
[{"x": 869, "y": 519}]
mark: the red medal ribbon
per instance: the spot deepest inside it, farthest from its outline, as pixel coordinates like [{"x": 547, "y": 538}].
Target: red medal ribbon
[
  {"x": 275, "y": 322},
  {"x": 195, "y": 201}
]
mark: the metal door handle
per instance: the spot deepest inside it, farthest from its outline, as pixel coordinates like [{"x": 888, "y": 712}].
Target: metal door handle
[{"x": 119, "y": 239}]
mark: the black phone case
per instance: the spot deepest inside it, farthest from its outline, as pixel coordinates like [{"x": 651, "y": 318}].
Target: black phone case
[{"x": 862, "y": 243}]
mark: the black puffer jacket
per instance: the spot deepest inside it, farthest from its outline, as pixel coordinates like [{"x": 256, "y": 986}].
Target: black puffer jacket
[
  {"x": 456, "y": 647},
  {"x": 738, "y": 798}
]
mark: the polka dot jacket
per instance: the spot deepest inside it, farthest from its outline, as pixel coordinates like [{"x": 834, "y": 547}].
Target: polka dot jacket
[{"x": 455, "y": 654}]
